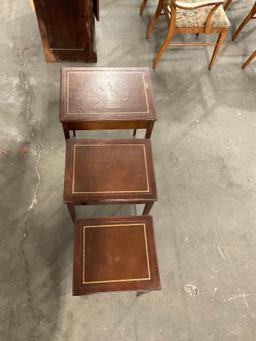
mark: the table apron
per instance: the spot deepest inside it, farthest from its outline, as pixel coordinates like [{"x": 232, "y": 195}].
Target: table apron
[
  {"x": 112, "y": 202},
  {"x": 107, "y": 125}
]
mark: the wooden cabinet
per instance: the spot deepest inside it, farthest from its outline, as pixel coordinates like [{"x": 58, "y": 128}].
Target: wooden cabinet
[{"x": 67, "y": 29}]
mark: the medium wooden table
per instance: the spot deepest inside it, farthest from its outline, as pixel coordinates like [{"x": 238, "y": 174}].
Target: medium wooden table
[
  {"x": 106, "y": 98},
  {"x": 113, "y": 254},
  {"x": 109, "y": 172}
]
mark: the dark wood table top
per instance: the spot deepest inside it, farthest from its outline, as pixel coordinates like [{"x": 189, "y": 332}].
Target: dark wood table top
[
  {"x": 107, "y": 94},
  {"x": 104, "y": 170},
  {"x": 116, "y": 253}
]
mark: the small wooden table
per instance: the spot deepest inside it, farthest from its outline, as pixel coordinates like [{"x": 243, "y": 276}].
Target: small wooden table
[
  {"x": 106, "y": 98},
  {"x": 109, "y": 172},
  {"x": 113, "y": 254}
]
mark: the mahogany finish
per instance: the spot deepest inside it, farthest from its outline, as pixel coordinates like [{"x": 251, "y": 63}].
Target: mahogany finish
[
  {"x": 112, "y": 254},
  {"x": 67, "y": 29},
  {"x": 106, "y": 98},
  {"x": 109, "y": 172}
]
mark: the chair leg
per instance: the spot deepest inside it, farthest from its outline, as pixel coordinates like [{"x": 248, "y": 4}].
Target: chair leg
[
  {"x": 227, "y": 4},
  {"x": 219, "y": 43},
  {"x": 134, "y": 132},
  {"x": 142, "y": 6},
  {"x": 244, "y": 22},
  {"x": 164, "y": 46},
  {"x": 154, "y": 19},
  {"x": 249, "y": 60}
]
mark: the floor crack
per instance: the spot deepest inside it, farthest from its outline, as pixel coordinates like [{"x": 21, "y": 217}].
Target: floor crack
[{"x": 33, "y": 202}]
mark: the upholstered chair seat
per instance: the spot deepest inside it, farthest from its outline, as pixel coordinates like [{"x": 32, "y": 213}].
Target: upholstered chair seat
[{"x": 197, "y": 17}]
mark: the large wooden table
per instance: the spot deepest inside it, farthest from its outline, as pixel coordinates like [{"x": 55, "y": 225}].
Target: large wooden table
[
  {"x": 106, "y": 98},
  {"x": 67, "y": 29}
]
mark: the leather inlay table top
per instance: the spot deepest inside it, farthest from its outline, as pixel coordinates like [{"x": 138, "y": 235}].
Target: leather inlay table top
[
  {"x": 109, "y": 170},
  {"x": 114, "y": 254},
  {"x": 89, "y": 94}
]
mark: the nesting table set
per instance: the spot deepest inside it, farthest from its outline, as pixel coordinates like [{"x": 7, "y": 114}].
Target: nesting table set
[{"x": 110, "y": 253}]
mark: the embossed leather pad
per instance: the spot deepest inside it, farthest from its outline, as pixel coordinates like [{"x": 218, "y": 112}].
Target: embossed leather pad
[{"x": 106, "y": 94}]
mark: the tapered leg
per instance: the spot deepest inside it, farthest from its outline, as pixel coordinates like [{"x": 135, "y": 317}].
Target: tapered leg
[
  {"x": 74, "y": 133},
  {"x": 134, "y": 132},
  {"x": 164, "y": 46},
  {"x": 249, "y": 60},
  {"x": 227, "y": 4},
  {"x": 148, "y": 207},
  {"x": 220, "y": 41},
  {"x": 245, "y": 21},
  {"x": 149, "y": 130},
  {"x": 66, "y": 132},
  {"x": 142, "y": 6},
  {"x": 72, "y": 211},
  {"x": 154, "y": 18}
]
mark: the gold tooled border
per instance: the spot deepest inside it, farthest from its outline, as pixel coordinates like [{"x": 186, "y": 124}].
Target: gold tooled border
[
  {"x": 116, "y": 280},
  {"x": 103, "y": 145},
  {"x": 106, "y": 112}
]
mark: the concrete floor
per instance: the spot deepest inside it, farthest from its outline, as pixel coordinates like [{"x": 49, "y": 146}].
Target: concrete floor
[{"x": 205, "y": 161}]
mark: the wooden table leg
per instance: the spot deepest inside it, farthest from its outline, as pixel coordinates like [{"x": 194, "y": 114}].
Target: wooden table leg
[
  {"x": 148, "y": 207},
  {"x": 72, "y": 211},
  {"x": 66, "y": 131},
  {"x": 149, "y": 130},
  {"x": 141, "y": 292},
  {"x": 74, "y": 133},
  {"x": 134, "y": 132}
]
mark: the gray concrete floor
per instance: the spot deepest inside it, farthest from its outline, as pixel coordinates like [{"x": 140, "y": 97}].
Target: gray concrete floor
[{"x": 204, "y": 153}]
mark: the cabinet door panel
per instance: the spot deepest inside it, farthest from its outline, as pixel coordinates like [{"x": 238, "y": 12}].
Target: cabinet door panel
[
  {"x": 67, "y": 29},
  {"x": 64, "y": 22}
]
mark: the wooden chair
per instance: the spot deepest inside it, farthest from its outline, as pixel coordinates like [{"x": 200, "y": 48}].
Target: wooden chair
[
  {"x": 249, "y": 60},
  {"x": 207, "y": 16},
  {"x": 251, "y": 15}
]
